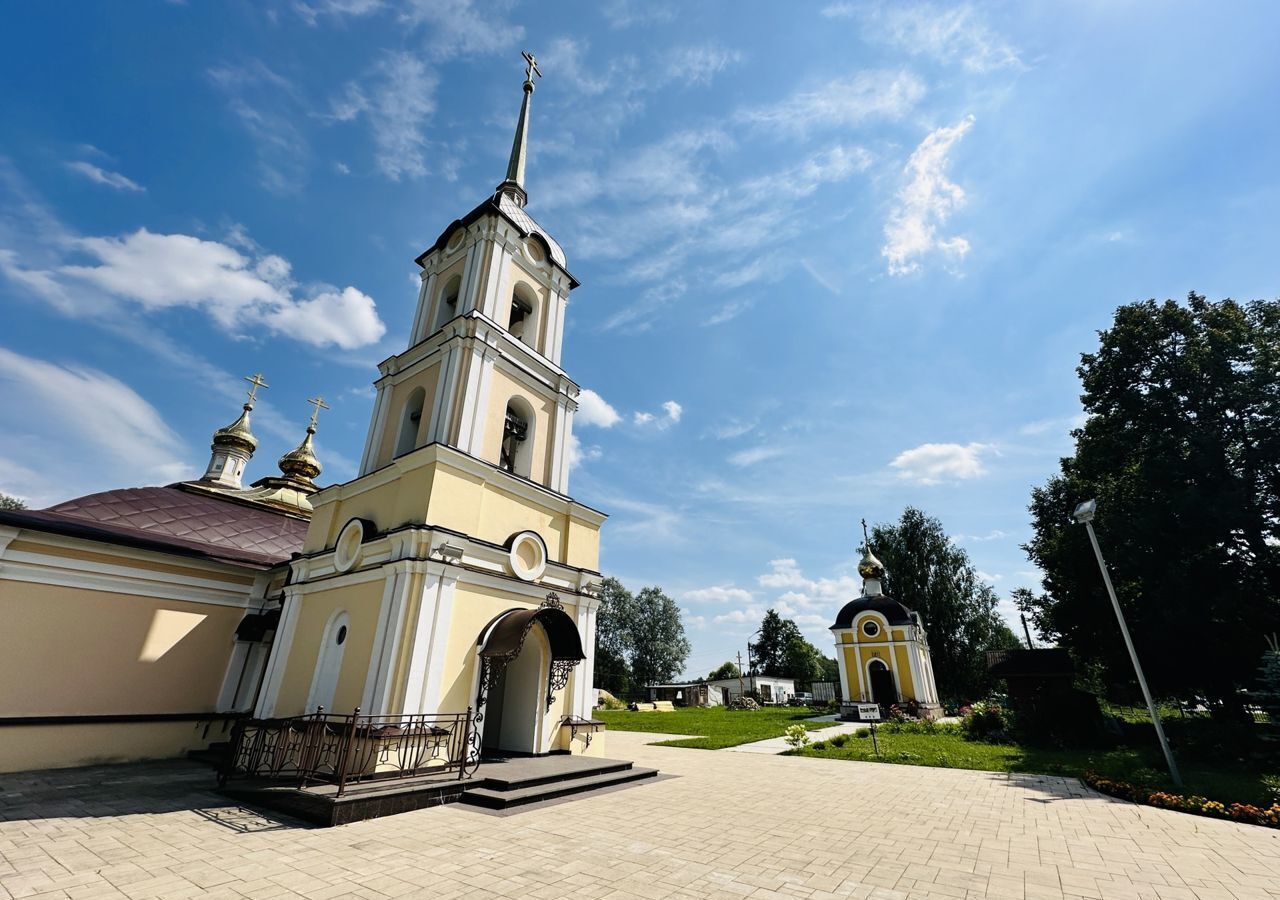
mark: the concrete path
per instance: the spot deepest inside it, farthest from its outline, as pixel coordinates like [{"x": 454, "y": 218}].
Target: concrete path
[
  {"x": 750, "y": 826},
  {"x": 779, "y": 744}
]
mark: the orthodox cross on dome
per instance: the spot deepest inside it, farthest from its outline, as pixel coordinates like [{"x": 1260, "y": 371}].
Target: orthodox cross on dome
[
  {"x": 319, "y": 404},
  {"x": 531, "y": 66},
  {"x": 513, "y": 185},
  {"x": 257, "y": 382}
]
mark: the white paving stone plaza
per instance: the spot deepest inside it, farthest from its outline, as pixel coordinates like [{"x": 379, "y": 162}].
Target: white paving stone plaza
[{"x": 726, "y": 825}]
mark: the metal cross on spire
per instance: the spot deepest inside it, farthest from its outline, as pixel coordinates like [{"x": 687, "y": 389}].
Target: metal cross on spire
[
  {"x": 257, "y": 382},
  {"x": 319, "y": 404},
  {"x": 531, "y": 67},
  {"x": 866, "y": 541}
]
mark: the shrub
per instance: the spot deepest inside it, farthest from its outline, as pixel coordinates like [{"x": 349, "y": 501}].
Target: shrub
[
  {"x": 797, "y": 736},
  {"x": 986, "y": 721},
  {"x": 820, "y": 745}
]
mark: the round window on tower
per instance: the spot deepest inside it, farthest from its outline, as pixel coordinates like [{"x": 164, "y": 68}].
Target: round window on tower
[
  {"x": 533, "y": 250},
  {"x": 528, "y": 555},
  {"x": 870, "y": 629},
  {"x": 350, "y": 545}
]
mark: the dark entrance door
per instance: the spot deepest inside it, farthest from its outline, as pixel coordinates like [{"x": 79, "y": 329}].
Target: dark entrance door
[{"x": 883, "y": 690}]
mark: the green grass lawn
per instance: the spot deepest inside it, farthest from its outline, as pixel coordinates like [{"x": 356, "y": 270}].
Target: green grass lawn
[
  {"x": 1226, "y": 780},
  {"x": 718, "y": 727}
]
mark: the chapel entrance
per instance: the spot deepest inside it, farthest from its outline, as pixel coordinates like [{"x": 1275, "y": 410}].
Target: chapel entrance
[
  {"x": 883, "y": 690},
  {"x": 525, "y": 657}
]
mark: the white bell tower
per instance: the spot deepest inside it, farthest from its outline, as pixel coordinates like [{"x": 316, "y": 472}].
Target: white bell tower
[{"x": 482, "y": 370}]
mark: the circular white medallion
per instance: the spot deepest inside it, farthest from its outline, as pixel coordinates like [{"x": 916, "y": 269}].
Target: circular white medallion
[
  {"x": 528, "y": 556},
  {"x": 350, "y": 546}
]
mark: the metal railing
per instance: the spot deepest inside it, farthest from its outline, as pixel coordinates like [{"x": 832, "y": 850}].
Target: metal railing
[{"x": 325, "y": 748}]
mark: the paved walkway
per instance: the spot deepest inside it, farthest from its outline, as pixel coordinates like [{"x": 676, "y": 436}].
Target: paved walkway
[
  {"x": 778, "y": 745},
  {"x": 727, "y": 826}
]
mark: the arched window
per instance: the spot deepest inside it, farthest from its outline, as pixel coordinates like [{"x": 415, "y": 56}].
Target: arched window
[
  {"x": 410, "y": 420},
  {"x": 523, "y": 324},
  {"x": 447, "y": 306},
  {"x": 516, "y": 453},
  {"x": 324, "y": 683}
]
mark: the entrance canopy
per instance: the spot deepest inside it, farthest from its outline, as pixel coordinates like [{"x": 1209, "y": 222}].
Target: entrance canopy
[{"x": 503, "y": 637}]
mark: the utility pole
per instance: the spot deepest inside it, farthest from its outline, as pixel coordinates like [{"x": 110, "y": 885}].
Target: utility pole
[
  {"x": 741, "y": 693},
  {"x": 1030, "y": 646}
]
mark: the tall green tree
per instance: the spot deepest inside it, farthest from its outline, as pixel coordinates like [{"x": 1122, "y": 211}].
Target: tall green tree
[
  {"x": 613, "y": 638},
  {"x": 769, "y": 652},
  {"x": 929, "y": 574},
  {"x": 802, "y": 661},
  {"x": 7, "y": 502},
  {"x": 658, "y": 643},
  {"x": 724, "y": 670},
  {"x": 1180, "y": 447}
]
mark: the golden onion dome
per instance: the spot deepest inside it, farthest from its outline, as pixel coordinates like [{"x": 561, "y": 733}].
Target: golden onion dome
[
  {"x": 237, "y": 434},
  {"x": 869, "y": 566},
  {"x": 301, "y": 462}
]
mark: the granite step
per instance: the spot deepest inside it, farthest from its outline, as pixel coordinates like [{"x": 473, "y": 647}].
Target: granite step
[{"x": 497, "y": 798}]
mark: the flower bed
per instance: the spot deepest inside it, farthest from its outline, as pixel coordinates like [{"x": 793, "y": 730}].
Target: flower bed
[{"x": 1200, "y": 806}]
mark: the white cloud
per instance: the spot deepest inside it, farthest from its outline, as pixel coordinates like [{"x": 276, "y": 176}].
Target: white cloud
[
  {"x": 595, "y": 410},
  {"x": 671, "y": 414},
  {"x": 102, "y": 176},
  {"x": 79, "y": 428},
  {"x": 238, "y": 291},
  {"x": 988, "y": 577},
  {"x": 951, "y": 34},
  {"x": 994, "y": 535},
  {"x": 934, "y": 463},
  {"x": 842, "y": 103},
  {"x": 785, "y": 573},
  {"x": 626, "y": 13},
  {"x": 925, "y": 202},
  {"x": 754, "y": 455},
  {"x": 719, "y": 593}
]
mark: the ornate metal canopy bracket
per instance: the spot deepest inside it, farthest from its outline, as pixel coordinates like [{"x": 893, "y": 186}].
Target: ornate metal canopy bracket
[{"x": 558, "y": 677}]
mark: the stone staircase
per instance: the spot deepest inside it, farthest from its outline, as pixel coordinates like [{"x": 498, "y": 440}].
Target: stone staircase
[{"x": 505, "y": 784}]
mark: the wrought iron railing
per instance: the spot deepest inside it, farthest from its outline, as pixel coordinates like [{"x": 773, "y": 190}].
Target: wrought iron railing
[{"x": 324, "y": 748}]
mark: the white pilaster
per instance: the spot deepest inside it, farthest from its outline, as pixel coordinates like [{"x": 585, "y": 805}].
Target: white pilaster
[
  {"x": 584, "y": 701},
  {"x": 280, "y": 651},
  {"x": 846, "y": 689},
  {"x": 559, "y": 480},
  {"x": 558, "y": 341},
  {"x": 496, "y": 283},
  {"x": 425, "y": 685},
  {"x": 475, "y": 399},
  {"x": 377, "y": 422},
  {"x": 386, "y": 643},
  {"x": 442, "y": 408},
  {"x": 426, "y": 312}
]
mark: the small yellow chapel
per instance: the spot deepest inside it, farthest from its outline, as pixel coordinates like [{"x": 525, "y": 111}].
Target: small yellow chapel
[{"x": 882, "y": 650}]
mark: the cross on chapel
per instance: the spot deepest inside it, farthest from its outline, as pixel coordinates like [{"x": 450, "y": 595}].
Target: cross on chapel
[
  {"x": 257, "y": 382},
  {"x": 319, "y": 404}
]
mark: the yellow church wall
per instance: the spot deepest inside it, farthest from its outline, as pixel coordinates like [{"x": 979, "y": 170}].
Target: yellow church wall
[
  {"x": 427, "y": 380},
  {"x": 26, "y": 747},
  {"x": 105, "y": 653},
  {"x": 854, "y": 670},
  {"x": 906, "y": 685},
  {"x": 228, "y": 577},
  {"x": 501, "y": 390},
  {"x": 388, "y": 505},
  {"x": 362, "y": 603},
  {"x": 582, "y": 545}
]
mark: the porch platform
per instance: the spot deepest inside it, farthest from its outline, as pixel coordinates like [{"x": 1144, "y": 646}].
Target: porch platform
[{"x": 497, "y": 784}]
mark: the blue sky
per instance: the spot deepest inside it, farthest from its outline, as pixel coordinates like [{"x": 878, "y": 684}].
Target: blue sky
[{"x": 836, "y": 258}]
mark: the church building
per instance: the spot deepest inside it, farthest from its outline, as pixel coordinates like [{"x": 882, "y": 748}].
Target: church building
[
  {"x": 881, "y": 649},
  {"x": 454, "y": 575}
]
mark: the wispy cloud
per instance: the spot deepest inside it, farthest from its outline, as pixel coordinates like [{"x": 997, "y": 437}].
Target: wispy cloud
[
  {"x": 935, "y": 463},
  {"x": 396, "y": 98},
  {"x": 719, "y": 593},
  {"x": 754, "y": 455},
  {"x": 672, "y": 413},
  {"x": 698, "y": 64},
  {"x": 268, "y": 107},
  {"x": 81, "y": 411},
  {"x": 951, "y": 34},
  {"x": 101, "y": 176},
  {"x": 841, "y": 103},
  {"x": 925, "y": 203}
]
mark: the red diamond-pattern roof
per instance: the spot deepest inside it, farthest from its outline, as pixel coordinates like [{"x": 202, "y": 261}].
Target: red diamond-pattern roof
[{"x": 184, "y": 521}]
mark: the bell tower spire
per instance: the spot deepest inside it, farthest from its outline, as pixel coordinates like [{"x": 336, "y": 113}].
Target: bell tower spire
[{"x": 513, "y": 186}]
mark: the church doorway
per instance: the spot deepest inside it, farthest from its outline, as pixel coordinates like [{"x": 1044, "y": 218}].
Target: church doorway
[
  {"x": 524, "y": 659},
  {"x": 883, "y": 690},
  {"x": 514, "y": 710}
]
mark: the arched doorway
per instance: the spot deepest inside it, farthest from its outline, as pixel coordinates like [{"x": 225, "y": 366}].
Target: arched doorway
[
  {"x": 883, "y": 690},
  {"x": 525, "y": 657}
]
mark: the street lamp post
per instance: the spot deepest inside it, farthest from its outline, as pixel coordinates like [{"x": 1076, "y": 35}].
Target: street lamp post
[{"x": 1083, "y": 515}]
